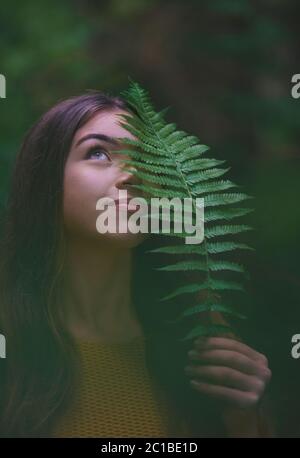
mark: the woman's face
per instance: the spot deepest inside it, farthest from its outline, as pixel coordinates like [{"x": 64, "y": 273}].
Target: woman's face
[{"x": 93, "y": 171}]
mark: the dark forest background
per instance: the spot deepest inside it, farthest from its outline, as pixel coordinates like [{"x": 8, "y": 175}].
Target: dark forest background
[{"x": 225, "y": 68}]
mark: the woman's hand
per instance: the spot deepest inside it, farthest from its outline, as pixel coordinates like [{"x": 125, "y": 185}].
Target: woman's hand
[{"x": 228, "y": 370}]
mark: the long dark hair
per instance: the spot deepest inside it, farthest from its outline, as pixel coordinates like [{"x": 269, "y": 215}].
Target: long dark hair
[{"x": 36, "y": 378}]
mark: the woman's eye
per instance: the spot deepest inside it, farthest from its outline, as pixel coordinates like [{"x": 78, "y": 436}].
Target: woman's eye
[{"x": 97, "y": 153}]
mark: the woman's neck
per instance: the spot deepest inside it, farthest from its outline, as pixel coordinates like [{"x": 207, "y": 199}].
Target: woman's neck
[{"x": 97, "y": 301}]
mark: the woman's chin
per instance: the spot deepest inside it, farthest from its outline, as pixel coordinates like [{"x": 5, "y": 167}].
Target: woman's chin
[
  {"x": 125, "y": 240},
  {"x": 123, "y": 232}
]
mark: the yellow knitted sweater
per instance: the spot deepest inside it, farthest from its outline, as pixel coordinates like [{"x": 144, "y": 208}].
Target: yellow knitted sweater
[{"x": 116, "y": 396}]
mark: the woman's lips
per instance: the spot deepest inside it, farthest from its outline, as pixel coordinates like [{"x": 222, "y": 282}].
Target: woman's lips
[{"x": 126, "y": 204}]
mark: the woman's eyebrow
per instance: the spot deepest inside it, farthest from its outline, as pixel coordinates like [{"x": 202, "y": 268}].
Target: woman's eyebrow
[{"x": 106, "y": 138}]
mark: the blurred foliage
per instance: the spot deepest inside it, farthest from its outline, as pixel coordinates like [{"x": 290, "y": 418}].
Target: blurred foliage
[{"x": 225, "y": 68}]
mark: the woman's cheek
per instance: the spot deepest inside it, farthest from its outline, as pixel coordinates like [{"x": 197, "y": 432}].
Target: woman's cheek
[
  {"x": 81, "y": 192},
  {"x": 83, "y": 187}
]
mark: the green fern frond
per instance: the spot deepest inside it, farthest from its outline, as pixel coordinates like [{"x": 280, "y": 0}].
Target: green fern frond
[
  {"x": 225, "y": 214},
  {"x": 213, "y": 265},
  {"x": 212, "y": 330},
  {"x": 200, "y": 164},
  {"x": 213, "y": 308},
  {"x": 217, "y": 231},
  {"x": 212, "y": 284},
  {"x": 171, "y": 163},
  {"x": 205, "y": 175}
]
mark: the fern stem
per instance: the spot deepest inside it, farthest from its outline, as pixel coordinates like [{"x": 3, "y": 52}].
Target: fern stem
[{"x": 177, "y": 164}]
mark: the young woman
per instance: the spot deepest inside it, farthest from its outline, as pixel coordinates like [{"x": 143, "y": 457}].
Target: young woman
[{"x": 91, "y": 351}]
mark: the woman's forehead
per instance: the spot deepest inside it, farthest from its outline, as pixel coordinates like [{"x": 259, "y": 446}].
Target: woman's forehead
[{"x": 107, "y": 123}]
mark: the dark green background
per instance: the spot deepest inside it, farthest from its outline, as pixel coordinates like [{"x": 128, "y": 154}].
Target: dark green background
[{"x": 225, "y": 68}]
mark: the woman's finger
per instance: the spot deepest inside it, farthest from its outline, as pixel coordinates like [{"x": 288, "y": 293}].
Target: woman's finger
[
  {"x": 225, "y": 376},
  {"x": 241, "y": 399},
  {"x": 226, "y": 343},
  {"x": 232, "y": 359}
]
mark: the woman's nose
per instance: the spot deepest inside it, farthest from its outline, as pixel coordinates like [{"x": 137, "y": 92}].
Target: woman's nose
[{"x": 128, "y": 178}]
